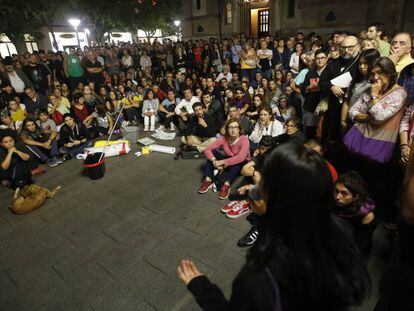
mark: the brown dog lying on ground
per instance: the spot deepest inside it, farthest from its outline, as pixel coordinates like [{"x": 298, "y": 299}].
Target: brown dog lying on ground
[{"x": 30, "y": 198}]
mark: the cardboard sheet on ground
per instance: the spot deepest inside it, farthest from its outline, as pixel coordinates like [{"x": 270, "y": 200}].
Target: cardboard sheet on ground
[
  {"x": 146, "y": 141},
  {"x": 112, "y": 150},
  {"x": 162, "y": 149},
  {"x": 343, "y": 81}
]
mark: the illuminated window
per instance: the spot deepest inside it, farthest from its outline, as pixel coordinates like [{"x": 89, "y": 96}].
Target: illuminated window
[{"x": 229, "y": 16}]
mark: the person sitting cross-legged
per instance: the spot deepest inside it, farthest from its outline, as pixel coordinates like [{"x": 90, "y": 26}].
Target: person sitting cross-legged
[
  {"x": 200, "y": 130},
  {"x": 17, "y": 164},
  {"x": 228, "y": 164},
  {"x": 74, "y": 137},
  {"x": 40, "y": 142}
]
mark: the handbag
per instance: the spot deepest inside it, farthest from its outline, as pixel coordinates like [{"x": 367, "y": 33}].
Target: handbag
[
  {"x": 250, "y": 62},
  {"x": 362, "y": 140}
]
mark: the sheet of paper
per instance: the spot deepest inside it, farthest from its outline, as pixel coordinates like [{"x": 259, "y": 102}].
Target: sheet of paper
[
  {"x": 343, "y": 81},
  {"x": 146, "y": 141}
]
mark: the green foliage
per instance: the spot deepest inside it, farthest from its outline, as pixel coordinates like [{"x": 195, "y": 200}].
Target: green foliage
[
  {"x": 17, "y": 17},
  {"x": 20, "y": 17}
]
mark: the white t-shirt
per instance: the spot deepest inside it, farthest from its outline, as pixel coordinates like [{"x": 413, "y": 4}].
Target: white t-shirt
[
  {"x": 186, "y": 105},
  {"x": 294, "y": 61},
  {"x": 228, "y": 77},
  {"x": 16, "y": 82}
]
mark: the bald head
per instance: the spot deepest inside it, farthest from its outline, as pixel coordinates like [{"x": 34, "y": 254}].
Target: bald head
[
  {"x": 350, "y": 40},
  {"x": 401, "y": 44},
  {"x": 350, "y": 47}
]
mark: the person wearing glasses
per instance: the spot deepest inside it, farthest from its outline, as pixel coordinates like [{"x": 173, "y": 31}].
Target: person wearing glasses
[
  {"x": 311, "y": 91},
  {"x": 347, "y": 62},
  {"x": 228, "y": 164}
]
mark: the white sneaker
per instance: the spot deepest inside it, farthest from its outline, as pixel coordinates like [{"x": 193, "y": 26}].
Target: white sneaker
[
  {"x": 152, "y": 128},
  {"x": 146, "y": 128},
  {"x": 172, "y": 126}
]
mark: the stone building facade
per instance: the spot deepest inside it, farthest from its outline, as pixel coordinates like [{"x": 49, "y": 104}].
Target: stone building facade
[{"x": 212, "y": 18}]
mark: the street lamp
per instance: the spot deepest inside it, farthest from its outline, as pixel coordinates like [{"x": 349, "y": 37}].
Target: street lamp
[
  {"x": 75, "y": 23},
  {"x": 177, "y": 24}
]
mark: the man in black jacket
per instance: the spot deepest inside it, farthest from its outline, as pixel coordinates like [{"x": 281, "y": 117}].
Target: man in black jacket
[
  {"x": 312, "y": 93},
  {"x": 215, "y": 109},
  {"x": 348, "y": 62},
  {"x": 200, "y": 131}
]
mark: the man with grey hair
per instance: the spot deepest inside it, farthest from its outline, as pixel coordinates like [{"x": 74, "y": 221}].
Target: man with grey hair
[
  {"x": 347, "y": 62},
  {"x": 400, "y": 52}
]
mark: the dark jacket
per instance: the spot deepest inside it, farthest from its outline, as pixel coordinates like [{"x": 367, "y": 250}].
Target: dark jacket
[
  {"x": 41, "y": 102},
  {"x": 253, "y": 290},
  {"x": 68, "y": 135},
  {"x": 313, "y": 97},
  {"x": 194, "y": 128},
  {"x": 20, "y": 74}
]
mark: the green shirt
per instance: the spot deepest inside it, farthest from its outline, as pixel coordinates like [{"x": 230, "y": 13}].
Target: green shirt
[
  {"x": 74, "y": 66},
  {"x": 384, "y": 48}
]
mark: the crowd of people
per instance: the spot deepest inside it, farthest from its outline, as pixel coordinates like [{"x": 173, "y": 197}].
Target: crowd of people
[{"x": 308, "y": 127}]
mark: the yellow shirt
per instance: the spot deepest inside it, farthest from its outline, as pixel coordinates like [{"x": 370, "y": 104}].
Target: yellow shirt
[
  {"x": 244, "y": 65},
  {"x": 405, "y": 61},
  {"x": 18, "y": 115}
]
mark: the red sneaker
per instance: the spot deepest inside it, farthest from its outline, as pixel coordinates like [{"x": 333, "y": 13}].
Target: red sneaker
[
  {"x": 239, "y": 210},
  {"x": 224, "y": 192},
  {"x": 205, "y": 186},
  {"x": 228, "y": 207}
]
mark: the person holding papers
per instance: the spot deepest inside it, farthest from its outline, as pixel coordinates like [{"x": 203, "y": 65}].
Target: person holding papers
[{"x": 346, "y": 65}]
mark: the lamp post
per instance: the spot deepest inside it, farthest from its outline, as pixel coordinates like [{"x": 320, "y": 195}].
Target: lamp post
[
  {"x": 177, "y": 24},
  {"x": 75, "y": 23}
]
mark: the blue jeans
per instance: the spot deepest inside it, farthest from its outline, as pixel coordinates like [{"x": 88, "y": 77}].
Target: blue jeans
[
  {"x": 229, "y": 174},
  {"x": 250, "y": 73},
  {"x": 74, "y": 151},
  {"x": 43, "y": 153}
]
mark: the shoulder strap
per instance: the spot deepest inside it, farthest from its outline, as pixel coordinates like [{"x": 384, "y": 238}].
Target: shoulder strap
[{"x": 278, "y": 304}]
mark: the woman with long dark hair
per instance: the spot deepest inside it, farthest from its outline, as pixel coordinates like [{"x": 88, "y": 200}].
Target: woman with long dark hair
[
  {"x": 360, "y": 85},
  {"x": 304, "y": 258},
  {"x": 372, "y": 140}
]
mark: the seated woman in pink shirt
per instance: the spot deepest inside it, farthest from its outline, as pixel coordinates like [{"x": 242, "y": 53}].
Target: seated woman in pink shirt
[{"x": 236, "y": 153}]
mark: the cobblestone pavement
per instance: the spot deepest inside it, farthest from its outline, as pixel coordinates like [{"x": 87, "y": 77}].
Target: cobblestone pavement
[{"x": 114, "y": 243}]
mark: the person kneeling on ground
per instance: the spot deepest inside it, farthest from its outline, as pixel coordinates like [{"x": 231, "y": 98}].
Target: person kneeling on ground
[
  {"x": 354, "y": 205},
  {"x": 252, "y": 173},
  {"x": 200, "y": 131},
  {"x": 16, "y": 162},
  {"x": 229, "y": 164},
  {"x": 73, "y": 137},
  {"x": 41, "y": 143}
]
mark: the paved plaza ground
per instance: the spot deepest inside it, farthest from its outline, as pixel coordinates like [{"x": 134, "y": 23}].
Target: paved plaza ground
[{"x": 114, "y": 243}]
